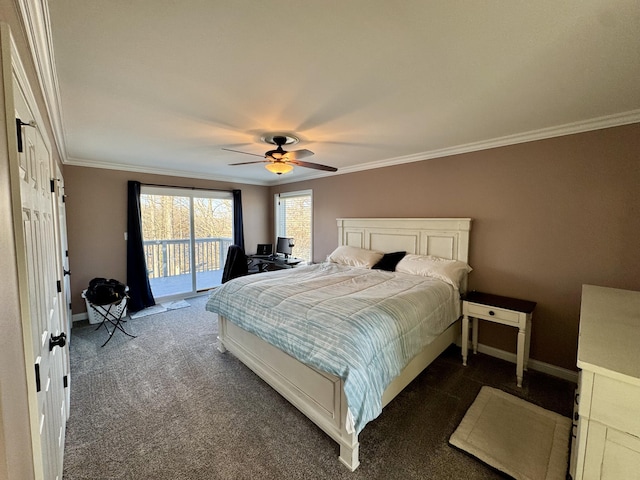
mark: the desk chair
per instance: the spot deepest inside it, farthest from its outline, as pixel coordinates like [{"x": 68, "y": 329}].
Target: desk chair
[{"x": 236, "y": 265}]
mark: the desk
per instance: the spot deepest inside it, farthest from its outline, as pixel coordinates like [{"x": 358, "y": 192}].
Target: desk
[
  {"x": 503, "y": 310},
  {"x": 265, "y": 264}
]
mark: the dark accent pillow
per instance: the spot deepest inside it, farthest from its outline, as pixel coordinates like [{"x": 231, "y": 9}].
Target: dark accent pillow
[{"x": 389, "y": 261}]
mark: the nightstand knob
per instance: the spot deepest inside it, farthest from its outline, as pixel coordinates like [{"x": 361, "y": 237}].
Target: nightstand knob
[{"x": 492, "y": 313}]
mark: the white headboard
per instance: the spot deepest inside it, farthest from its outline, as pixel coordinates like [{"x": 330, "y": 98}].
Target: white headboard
[{"x": 440, "y": 237}]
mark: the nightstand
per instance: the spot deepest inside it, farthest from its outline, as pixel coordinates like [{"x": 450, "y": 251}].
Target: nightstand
[{"x": 504, "y": 310}]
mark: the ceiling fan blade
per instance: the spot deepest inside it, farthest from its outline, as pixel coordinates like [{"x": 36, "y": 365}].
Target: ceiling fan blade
[
  {"x": 246, "y": 153},
  {"x": 247, "y": 163},
  {"x": 317, "y": 166},
  {"x": 296, "y": 154}
]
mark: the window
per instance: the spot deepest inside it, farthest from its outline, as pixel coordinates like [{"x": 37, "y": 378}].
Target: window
[
  {"x": 186, "y": 235},
  {"x": 294, "y": 219}
]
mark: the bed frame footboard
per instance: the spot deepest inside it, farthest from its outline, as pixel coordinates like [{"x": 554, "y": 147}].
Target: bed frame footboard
[
  {"x": 349, "y": 456},
  {"x": 318, "y": 395}
]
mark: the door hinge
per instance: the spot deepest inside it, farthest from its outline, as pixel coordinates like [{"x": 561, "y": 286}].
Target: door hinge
[
  {"x": 19, "y": 125},
  {"x": 65, "y": 381},
  {"x": 59, "y": 286},
  {"x": 66, "y": 253},
  {"x": 70, "y": 306},
  {"x": 37, "y": 376},
  {"x": 52, "y": 182}
]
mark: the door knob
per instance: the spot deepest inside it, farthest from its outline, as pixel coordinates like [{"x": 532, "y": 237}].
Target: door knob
[{"x": 60, "y": 340}]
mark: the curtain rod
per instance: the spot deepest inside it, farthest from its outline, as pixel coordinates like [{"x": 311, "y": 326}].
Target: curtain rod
[{"x": 188, "y": 188}]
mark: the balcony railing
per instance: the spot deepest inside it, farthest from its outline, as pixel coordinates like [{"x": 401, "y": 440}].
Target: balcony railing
[{"x": 166, "y": 258}]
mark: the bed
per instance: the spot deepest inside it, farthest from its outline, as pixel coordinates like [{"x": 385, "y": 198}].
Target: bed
[{"x": 341, "y": 399}]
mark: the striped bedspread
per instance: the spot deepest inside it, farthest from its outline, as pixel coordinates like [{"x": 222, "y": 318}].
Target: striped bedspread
[{"x": 361, "y": 325}]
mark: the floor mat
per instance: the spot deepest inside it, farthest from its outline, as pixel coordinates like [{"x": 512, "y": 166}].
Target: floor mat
[
  {"x": 515, "y": 436},
  {"x": 163, "y": 307}
]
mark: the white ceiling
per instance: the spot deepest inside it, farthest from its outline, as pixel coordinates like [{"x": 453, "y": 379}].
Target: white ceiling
[{"x": 164, "y": 85}]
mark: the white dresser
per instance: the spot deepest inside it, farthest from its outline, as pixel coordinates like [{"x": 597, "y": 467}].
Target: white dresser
[{"x": 607, "y": 417}]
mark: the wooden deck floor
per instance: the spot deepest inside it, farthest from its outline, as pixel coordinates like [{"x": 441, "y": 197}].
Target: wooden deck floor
[{"x": 182, "y": 284}]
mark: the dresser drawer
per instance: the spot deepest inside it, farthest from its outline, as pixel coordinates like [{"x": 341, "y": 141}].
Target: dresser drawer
[
  {"x": 496, "y": 314},
  {"x": 615, "y": 403}
]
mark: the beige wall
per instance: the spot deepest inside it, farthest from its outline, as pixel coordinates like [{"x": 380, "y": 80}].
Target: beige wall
[
  {"x": 548, "y": 216},
  {"x": 97, "y": 219}
]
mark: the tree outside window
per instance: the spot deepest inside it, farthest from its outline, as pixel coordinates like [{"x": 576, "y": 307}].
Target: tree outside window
[{"x": 294, "y": 219}]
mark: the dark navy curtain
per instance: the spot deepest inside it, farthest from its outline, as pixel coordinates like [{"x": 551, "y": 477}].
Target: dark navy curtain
[
  {"x": 238, "y": 229},
  {"x": 140, "y": 295}
]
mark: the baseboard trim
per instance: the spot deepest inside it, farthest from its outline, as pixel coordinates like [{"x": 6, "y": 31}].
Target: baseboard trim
[
  {"x": 78, "y": 317},
  {"x": 536, "y": 365}
]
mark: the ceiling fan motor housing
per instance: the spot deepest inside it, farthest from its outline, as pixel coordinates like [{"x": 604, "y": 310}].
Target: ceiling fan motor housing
[{"x": 280, "y": 139}]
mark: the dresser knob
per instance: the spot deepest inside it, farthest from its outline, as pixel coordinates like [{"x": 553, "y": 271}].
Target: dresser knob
[{"x": 492, "y": 313}]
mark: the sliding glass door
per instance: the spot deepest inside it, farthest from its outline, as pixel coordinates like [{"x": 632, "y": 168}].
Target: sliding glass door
[
  {"x": 213, "y": 233},
  {"x": 186, "y": 235}
]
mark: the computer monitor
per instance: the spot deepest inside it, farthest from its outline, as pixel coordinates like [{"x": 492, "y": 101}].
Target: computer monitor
[
  {"x": 264, "y": 249},
  {"x": 284, "y": 246}
]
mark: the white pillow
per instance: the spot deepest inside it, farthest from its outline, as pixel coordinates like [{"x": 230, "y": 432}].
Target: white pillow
[
  {"x": 355, "y": 256},
  {"x": 450, "y": 271}
]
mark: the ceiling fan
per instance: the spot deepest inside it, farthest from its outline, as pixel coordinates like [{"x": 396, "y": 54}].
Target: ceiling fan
[{"x": 279, "y": 160}]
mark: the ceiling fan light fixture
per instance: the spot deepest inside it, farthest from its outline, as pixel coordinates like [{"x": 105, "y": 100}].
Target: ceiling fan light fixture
[
  {"x": 278, "y": 167},
  {"x": 278, "y": 160}
]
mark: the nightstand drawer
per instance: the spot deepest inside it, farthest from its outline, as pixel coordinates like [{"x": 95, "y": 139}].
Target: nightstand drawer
[{"x": 493, "y": 312}]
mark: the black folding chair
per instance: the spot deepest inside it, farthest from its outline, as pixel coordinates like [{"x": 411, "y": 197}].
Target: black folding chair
[
  {"x": 112, "y": 313},
  {"x": 109, "y": 299}
]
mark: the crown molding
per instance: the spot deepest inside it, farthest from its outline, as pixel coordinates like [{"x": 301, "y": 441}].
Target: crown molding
[
  {"x": 599, "y": 123},
  {"x": 77, "y": 162},
  {"x": 608, "y": 121},
  {"x": 35, "y": 18}
]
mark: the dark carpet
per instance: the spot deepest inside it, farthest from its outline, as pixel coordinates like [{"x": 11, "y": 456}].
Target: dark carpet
[{"x": 168, "y": 405}]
